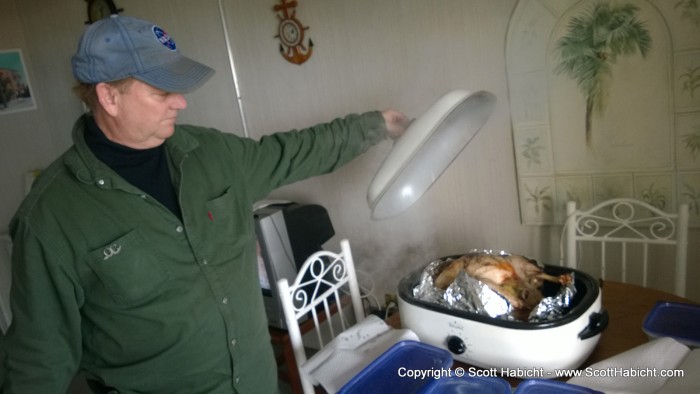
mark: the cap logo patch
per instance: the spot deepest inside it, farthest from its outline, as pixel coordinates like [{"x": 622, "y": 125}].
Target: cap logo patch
[{"x": 164, "y": 38}]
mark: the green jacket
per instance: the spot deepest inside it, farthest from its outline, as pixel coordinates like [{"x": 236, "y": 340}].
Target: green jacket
[{"x": 108, "y": 281}]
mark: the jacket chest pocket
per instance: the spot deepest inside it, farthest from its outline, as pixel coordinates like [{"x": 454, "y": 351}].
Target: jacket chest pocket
[
  {"x": 131, "y": 272},
  {"x": 230, "y": 220}
]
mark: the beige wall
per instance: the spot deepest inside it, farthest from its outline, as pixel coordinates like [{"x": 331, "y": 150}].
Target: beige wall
[{"x": 367, "y": 55}]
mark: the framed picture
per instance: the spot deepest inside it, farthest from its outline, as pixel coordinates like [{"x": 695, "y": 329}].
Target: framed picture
[{"x": 15, "y": 90}]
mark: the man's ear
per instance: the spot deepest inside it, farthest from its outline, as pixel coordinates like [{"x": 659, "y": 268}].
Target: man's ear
[{"x": 107, "y": 96}]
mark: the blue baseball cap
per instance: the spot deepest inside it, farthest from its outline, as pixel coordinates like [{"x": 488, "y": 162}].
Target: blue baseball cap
[{"x": 119, "y": 47}]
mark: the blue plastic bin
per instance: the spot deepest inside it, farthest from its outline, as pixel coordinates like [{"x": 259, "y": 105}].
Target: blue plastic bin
[
  {"x": 468, "y": 385},
  {"x": 676, "y": 320},
  {"x": 543, "y": 386},
  {"x": 392, "y": 371}
]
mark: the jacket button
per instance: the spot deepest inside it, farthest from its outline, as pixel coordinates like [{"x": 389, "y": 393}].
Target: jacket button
[{"x": 179, "y": 229}]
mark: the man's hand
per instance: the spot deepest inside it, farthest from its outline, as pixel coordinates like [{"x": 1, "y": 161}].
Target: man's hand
[{"x": 396, "y": 123}]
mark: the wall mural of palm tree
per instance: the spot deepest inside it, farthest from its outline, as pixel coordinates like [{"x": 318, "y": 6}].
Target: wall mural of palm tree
[
  {"x": 564, "y": 60},
  {"x": 594, "y": 40}
]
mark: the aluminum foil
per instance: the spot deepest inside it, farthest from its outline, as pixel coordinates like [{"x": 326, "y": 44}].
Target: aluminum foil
[{"x": 469, "y": 294}]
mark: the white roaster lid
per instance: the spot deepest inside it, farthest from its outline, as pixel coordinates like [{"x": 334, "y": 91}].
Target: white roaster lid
[{"x": 426, "y": 149}]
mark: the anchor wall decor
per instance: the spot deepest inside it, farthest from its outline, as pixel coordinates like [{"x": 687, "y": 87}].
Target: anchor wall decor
[{"x": 291, "y": 34}]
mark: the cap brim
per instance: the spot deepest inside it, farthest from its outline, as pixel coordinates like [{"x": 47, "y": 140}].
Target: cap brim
[{"x": 182, "y": 76}]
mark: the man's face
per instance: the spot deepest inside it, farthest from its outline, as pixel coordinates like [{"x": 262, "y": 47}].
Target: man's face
[{"x": 145, "y": 116}]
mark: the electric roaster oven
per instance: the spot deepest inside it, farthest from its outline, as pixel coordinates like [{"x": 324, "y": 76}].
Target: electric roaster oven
[
  {"x": 558, "y": 332},
  {"x": 560, "y": 340}
]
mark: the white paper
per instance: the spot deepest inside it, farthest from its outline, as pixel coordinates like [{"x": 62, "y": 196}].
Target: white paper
[
  {"x": 351, "y": 351},
  {"x": 690, "y": 381},
  {"x": 636, "y": 371}
]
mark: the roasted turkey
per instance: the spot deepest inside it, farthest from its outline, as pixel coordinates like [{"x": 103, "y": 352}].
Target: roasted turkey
[{"x": 516, "y": 278}]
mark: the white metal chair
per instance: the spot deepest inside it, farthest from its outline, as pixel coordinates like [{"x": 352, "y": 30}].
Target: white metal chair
[
  {"x": 624, "y": 229},
  {"x": 318, "y": 294}
]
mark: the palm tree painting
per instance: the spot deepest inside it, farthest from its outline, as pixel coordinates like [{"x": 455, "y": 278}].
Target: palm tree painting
[{"x": 594, "y": 40}]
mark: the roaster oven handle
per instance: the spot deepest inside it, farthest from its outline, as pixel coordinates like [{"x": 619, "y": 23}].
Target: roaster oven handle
[{"x": 596, "y": 324}]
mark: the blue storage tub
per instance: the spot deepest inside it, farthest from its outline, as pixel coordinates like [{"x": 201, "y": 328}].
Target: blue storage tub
[
  {"x": 392, "y": 373},
  {"x": 466, "y": 385},
  {"x": 388, "y": 373},
  {"x": 544, "y": 386},
  {"x": 676, "y": 320}
]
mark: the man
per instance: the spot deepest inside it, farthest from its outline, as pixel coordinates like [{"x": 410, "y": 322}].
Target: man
[{"x": 134, "y": 253}]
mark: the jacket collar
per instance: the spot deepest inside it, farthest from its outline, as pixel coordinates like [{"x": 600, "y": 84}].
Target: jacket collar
[{"x": 89, "y": 169}]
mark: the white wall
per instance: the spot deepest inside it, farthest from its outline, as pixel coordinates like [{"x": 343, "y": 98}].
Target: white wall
[{"x": 367, "y": 55}]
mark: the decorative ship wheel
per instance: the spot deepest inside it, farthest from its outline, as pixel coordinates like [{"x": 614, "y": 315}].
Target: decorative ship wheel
[{"x": 291, "y": 34}]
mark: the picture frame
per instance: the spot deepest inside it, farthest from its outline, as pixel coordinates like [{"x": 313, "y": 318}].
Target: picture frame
[{"x": 16, "y": 94}]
